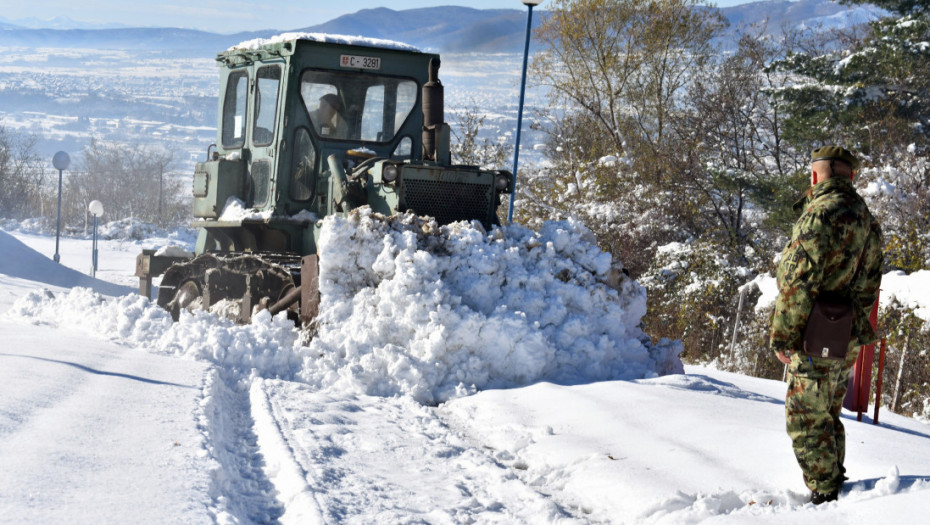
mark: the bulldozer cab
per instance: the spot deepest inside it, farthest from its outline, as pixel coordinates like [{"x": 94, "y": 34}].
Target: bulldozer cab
[
  {"x": 287, "y": 106},
  {"x": 310, "y": 126}
]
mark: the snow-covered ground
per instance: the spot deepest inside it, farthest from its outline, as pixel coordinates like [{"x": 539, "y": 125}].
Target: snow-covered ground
[{"x": 110, "y": 413}]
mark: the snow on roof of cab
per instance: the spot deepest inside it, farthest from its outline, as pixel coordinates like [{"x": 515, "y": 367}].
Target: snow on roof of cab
[{"x": 326, "y": 38}]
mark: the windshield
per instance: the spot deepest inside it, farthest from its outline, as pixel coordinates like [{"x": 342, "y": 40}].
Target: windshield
[{"x": 353, "y": 106}]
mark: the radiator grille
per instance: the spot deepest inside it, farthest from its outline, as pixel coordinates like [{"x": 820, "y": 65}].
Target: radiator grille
[{"x": 449, "y": 201}]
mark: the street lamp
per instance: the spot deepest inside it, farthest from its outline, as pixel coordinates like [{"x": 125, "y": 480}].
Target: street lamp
[
  {"x": 60, "y": 161},
  {"x": 526, "y": 53},
  {"x": 96, "y": 209}
]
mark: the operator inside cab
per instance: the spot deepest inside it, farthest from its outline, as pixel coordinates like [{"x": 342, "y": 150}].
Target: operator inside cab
[{"x": 328, "y": 119}]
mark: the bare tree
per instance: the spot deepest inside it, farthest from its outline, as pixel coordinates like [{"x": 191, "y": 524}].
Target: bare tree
[
  {"x": 470, "y": 147},
  {"x": 22, "y": 176},
  {"x": 130, "y": 181}
]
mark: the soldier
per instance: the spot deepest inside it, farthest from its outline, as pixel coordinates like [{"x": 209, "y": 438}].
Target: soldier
[
  {"x": 328, "y": 117},
  {"x": 835, "y": 249}
]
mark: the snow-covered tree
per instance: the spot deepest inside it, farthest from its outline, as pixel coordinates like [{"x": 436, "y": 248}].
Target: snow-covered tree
[
  {"x": 873, "y": 95},
  {"x": 617, "y": 72}
]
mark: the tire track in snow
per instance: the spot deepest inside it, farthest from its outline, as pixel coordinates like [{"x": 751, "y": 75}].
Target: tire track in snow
[
  {"x": 240, "y": 490},
  {"x": 285, "y": 473},
  {"x": 345, "y": 458}
]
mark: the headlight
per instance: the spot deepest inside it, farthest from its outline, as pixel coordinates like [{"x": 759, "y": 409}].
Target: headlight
[
  {"x": 502, "y": 181},
  {"x": 389, "y": 173}
]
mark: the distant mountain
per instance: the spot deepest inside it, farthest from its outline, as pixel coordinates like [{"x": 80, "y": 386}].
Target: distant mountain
[
  {"x": 800, "y": 13},
  {"x": 178, "y": 41},
  {"x": 58, "y": 22},
  {"x": 446, "y": 29},
  {"x": 462, "y": 29}
]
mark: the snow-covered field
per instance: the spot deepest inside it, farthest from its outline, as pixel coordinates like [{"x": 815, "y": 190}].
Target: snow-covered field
[{"x": 436, "y": 391}]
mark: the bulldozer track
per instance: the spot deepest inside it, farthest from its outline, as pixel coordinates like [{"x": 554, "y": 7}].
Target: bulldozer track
[{"x": 247, "y": 279}]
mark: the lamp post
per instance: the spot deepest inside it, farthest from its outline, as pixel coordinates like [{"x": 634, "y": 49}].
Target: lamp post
[
  {"x": 61, "y": 160},
  {"x": 96, "y": 209},
  {"x": 526, "y": 53}
]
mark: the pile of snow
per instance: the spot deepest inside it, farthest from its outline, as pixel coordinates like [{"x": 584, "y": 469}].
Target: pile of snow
[
  {"x": 362, "y": 41},
  {"x": 31, "y": 225},
  {"x": 235, "y": 210},
  {"x": 268, "y": 346},
  {"x": 129, "y": 228},
  {"x": 408, "y": 308},
  {"x": 172, "y": 250}
]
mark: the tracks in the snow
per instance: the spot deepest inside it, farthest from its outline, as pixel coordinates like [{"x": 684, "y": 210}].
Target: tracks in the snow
[
  {"x": 288, "y": 453},
  {"x": 240, "y": 490}
]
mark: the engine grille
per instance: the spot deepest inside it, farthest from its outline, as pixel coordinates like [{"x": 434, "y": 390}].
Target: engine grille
[{"x": 449, "y": 201}]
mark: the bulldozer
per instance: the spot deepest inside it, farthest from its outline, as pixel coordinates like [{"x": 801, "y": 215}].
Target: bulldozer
[{"x": 310, "y": 126}]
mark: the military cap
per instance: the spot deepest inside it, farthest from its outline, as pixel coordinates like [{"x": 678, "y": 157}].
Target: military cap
[{"x": 835, "y": 153}]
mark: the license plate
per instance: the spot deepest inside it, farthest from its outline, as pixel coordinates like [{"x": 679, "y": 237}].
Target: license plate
[{"x": 359, "y": 62}]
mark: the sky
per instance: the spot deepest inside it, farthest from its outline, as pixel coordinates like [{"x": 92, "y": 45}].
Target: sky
[{"x": 227, "y": 16}]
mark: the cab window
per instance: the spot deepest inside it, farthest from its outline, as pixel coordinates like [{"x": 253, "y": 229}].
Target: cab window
[
  {"x": 358, "y": 107},
  {"x": 234, "y": 107},
  {"x": 266, "y": 98},
  {"x": 303, "y": 167}
]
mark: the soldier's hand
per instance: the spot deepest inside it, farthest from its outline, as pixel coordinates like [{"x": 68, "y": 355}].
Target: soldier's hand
[{"x": 783, "y": 358}]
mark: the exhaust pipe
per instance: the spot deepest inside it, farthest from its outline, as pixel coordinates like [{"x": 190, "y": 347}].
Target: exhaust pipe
[{"x": 433, "y": 110}]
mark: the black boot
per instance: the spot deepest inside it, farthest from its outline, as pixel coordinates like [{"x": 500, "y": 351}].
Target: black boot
[{"x": 822, "y": 497}]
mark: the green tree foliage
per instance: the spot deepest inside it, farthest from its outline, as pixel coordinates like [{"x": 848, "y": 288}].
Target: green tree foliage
[
  {"x": 623, "y": 66},
  {"x": 902, "y": 7},
  {"x": 693, "y": 294},
  {"x": 898, "y": 193},
  {"x": 873, "y": 96},
  {"x": 906, "y": 377},
  {"x": 745, "y": 161}
]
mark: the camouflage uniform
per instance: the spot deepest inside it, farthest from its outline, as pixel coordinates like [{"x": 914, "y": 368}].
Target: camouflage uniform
[{"x": 835, "y": 247}]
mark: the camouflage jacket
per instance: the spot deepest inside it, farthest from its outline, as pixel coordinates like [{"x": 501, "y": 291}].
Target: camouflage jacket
[{"x": 835, "y": 247}]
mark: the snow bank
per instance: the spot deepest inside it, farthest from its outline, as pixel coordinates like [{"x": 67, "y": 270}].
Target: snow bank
[
  {"x": 131, "y": 228},
  {"x": 408, "y": 308},
  {"x": 18, "y": 260},
  {"x": 269, "y": 345}
]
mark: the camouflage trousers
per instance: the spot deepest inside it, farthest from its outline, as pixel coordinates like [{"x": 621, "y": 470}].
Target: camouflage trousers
[{"x": 816, "y": 388}]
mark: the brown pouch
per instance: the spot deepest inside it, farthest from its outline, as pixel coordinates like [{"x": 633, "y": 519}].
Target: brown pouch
[{"x": 829, "y": 327}]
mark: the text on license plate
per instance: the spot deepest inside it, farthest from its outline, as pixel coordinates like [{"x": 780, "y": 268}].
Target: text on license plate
[{"x": 358, "y": 62}]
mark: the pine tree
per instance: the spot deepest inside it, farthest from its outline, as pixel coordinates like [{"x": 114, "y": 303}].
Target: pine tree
[
  {"x": 901, "y": 7},
  {"x": 874, "y": 95}
]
